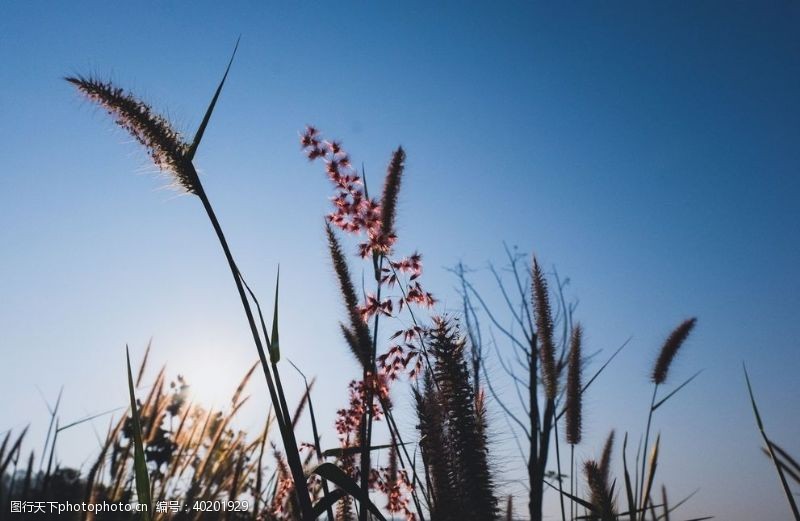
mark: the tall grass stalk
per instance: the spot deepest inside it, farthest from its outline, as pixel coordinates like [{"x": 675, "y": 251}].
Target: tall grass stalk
[
  {"x": 659, "y": 375},
  {"x": 173, "y": 155}
]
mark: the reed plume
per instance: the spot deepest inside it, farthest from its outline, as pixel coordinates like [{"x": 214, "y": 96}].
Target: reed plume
[
  {"x": 165, "y": 146},
  {"x": 391, "y": 189},
  {"x": 470, "y": 476},
  {"x": 600, "y": 494},
  {"x": 605, "y": 458},
  {"x": 357, "y": 333},
  {"x": 670, "y": 349},
  {"x": 544, "y": 332},
  {"x": 434, "y": 450},
  {"x": 574, "y": 405}
]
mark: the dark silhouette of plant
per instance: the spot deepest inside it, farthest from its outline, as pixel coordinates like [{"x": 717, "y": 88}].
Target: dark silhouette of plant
[
  {"x": 456, "y": 454},
  {"x": 174, "y": 156}
]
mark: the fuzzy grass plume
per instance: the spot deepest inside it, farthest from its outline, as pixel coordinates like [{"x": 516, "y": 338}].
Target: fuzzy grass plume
[
  {"x": 165, "y": 145},
  {"x": 574, "y": 406},
  {"x": 670, "y": 349},
  {"x": 605, "y": 458},
  {"x": 470, "y": 475},
  {"x": 544, "y": 331},
  {"x": 357, "y": 333},
  {"x": 601, "y": 496},
  {"x": 391, "y": 189}
]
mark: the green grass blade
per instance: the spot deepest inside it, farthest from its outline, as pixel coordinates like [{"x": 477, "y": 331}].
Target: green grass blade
[{"x": 139, "y": 463}]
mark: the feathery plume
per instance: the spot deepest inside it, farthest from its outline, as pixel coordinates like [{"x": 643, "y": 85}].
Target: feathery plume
[
  {"x": 165, "y": 145},
  {"x": 670, "y": 349},
  {"x": 357, "y": 335},
  {"x": 602, "y": 502},
  {"x": 391, "y": 189},
  {"x": 544, "y": 331},
  {"x": 470, "y": 474},
  {"x": 605, "y": 458},
  {"x": 574, "y": 403},
  {"x": 436, "y": 458}
]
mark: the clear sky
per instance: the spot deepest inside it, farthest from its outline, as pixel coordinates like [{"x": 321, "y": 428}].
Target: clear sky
[{"x": 649, "y": 152}]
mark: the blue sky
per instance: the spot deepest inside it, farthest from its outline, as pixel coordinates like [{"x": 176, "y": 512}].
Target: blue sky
[{"x": 648, "y": 152}]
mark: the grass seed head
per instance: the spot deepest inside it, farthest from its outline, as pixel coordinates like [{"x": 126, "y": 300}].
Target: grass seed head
[
  {"x": 574, "y": 405},
  {"x": 670, "y": 349},
  {"x": 165, "y": 145},
  {"x": 544, "y": 331}
]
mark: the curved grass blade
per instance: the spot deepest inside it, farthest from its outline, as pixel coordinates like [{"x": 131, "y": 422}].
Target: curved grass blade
[
  {"x": 628, "y": 488},
  {"x": 784, "y": 484},
  {"x": 315, "y": 432},
  {"x": 327, "y": 502},
  {"x": 582, "y": 502},
  {"x": 139, "y": 464},
  {"x": 337, "y": 476},
  {"x": 341, "y": 452}
]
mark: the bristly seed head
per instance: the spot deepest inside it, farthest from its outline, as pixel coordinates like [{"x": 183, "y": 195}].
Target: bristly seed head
[
  {"x": 601, "y": 499},
  {"x": 357, "y": 334},
  {"x": 391, "y": 189},
  {"x": 544, "y": 332},
  {"x": 165, "y": 145},
  {"x": 605, "y": 458},
  {"x": 670, "y": 349},
  {"x": 574, "y": 405}
]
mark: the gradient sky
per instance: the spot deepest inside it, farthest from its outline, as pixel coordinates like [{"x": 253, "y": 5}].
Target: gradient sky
[{"x": 649, "y": 152}]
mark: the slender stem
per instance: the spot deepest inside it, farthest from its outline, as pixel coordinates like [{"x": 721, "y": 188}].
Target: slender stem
[
  {"x": 370, "y": 373},
  {"x": 572, "y": 482},
  {"x": 290, "y": 437},
  {"x": 544, "y": 449},
  {"x": 291, "y": 449},
  {"x": 396, "y": 432},
  {"x": 558, "y": 468},
  {"x": 646, "y": 439},
  {"x": 317, "y": 447},
  {"x": 536, "y": 486}
]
